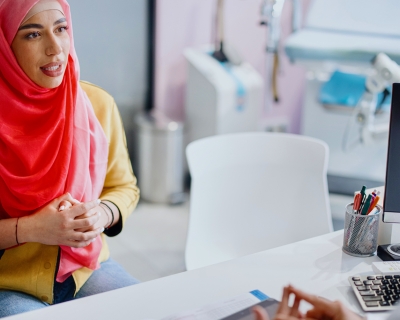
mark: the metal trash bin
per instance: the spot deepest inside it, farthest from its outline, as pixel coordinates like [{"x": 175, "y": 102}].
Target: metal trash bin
[{"x": 160, "y": 158}]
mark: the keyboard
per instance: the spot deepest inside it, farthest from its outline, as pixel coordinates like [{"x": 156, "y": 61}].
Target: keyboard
[{"x": 377, "y": 292}]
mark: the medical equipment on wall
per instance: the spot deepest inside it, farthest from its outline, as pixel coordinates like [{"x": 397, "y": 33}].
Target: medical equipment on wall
[
  {"x": 223, "y": 93},
  {"x": 219, "y": 52},
  {"x": 271, "y": 13},
  {"x": 221, "y": 97},
  {"x": 339, "y": 40},
  {"x": 385, "y": 72}
]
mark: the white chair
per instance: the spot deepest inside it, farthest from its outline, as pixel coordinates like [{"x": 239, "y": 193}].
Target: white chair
[{"x": 254, "y": 191}]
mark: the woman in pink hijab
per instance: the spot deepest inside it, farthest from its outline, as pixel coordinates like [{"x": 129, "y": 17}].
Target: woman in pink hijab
[{"x": 65, "y": 176}]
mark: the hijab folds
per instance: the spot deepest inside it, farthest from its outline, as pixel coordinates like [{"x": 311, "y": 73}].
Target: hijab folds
[{"x": 50, "y": 139}]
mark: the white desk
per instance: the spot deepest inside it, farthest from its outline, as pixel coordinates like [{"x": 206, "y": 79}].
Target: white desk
[{"x": 317, "y": 265}]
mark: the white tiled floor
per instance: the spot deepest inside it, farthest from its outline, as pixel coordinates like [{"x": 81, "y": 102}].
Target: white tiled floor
[{"x": 152, "y": 244}]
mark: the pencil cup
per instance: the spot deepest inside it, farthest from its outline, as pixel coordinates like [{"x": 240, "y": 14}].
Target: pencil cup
[{"x": 360, "y": 237}]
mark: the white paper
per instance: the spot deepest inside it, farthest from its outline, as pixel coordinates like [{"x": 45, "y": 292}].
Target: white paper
[{"x": 220, "y": 310}]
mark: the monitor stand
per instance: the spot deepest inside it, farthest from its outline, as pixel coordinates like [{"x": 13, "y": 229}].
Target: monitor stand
[
  {"x": 385, "y": 236},
  {"x": 389, "y": 252}
]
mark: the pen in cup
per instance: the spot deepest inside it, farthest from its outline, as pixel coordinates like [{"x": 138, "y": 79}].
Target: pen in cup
[{"x": 374, "y": 203}]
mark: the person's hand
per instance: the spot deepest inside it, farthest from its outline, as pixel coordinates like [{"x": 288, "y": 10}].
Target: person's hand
[
  {"x": 53, "y": 226},
  {"x": 322, "y": 309},
  {"x": 103, "y": 221},
  {"x": 260, "y": 313},
  {"x": 66, "y": 204},
  {"x": 284, "y": 312},
  {"x": 325, "y": 309}
]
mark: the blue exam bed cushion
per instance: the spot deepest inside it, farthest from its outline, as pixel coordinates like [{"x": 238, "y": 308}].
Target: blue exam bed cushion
[{"x": 345, "y": 89}]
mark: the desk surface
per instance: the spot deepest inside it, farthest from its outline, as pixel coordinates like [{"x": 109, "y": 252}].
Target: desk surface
[{"x": 316, "y": 265}]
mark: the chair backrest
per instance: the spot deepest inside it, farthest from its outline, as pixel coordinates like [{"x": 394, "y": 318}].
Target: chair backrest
[{"x": 254, "y": 191}]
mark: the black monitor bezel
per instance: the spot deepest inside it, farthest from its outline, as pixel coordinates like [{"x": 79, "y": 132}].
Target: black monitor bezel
[{"x": 391, "y": 216}]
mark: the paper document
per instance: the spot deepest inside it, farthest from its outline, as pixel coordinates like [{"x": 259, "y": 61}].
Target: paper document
[{"x": 221, "y": 310}]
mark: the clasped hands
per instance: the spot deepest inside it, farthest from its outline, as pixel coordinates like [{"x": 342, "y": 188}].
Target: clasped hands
[{"x": 65, "y": 221}]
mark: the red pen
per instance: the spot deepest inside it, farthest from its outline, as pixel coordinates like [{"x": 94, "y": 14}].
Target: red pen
[{"x": 357, "y": 202}]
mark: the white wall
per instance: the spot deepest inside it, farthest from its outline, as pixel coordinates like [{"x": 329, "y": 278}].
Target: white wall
[
  {"x": 188, "y": 23},
  {"x": 111, "y": 44},
  {"x": 110, "y": 40}
]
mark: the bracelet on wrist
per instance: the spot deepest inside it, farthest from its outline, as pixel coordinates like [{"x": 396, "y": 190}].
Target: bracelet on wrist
[
  {"x": 108, "y": 214},
  {"x": 112, "y": 215},
  {"x": 16, "y": 231}
]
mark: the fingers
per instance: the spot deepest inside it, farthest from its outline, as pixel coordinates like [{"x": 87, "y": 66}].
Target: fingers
[
  {"x": 312, "y": 299},
  {"x": 74, "y": 201},
  {"x": 322, "y": 307},
  {"x": 64, "y": 205},
  {"x": 260, "y": 313},
  {"x": 294, "y": 312},
  {"x": 78, "y": 244},
  {"x": 86, "y": 221},
  {"x": 314, "y": 314},
  {"x": 90, "y": 213},
  {"x": 65, "y": 197},
  {"x": 84, "y": 238},
  {"x": 66, "y": 201},
  {"x": 286, "y": 317},
  {"x": 84, "y": 207},
  {"x": 78, "y": 221},
  {"x": 284, "y": 305}
]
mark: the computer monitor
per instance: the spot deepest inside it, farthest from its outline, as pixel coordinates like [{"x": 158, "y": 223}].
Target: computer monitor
[{"x": 391, "y": 205}]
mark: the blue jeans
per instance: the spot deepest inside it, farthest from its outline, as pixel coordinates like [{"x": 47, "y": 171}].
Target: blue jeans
[{"x": 109, "y": 277}]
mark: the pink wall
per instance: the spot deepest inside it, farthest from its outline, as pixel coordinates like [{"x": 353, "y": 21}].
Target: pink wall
[{"x": 185, "y": 23}]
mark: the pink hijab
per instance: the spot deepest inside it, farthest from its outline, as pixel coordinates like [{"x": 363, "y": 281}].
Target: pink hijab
[{"x": 50, "y": 139}]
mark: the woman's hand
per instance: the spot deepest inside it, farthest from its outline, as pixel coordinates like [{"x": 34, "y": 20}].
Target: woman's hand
[
  {"x": 322, "y": 309},
  {"x": 66, "y": 204},
  {"x": 103, "y": 222},
  {"x": 53, "y": 226},
  {"x": 105, "y": 215}
]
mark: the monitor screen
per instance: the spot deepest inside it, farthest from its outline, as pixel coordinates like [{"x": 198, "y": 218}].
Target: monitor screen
[{"x": 392, "y": 184}]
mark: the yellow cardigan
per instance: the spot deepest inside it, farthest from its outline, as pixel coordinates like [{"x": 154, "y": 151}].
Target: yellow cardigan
[{"x": 31, "y": 267}]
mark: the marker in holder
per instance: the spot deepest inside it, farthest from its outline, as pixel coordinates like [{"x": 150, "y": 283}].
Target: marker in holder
[{"x": 360, "y": 237}]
